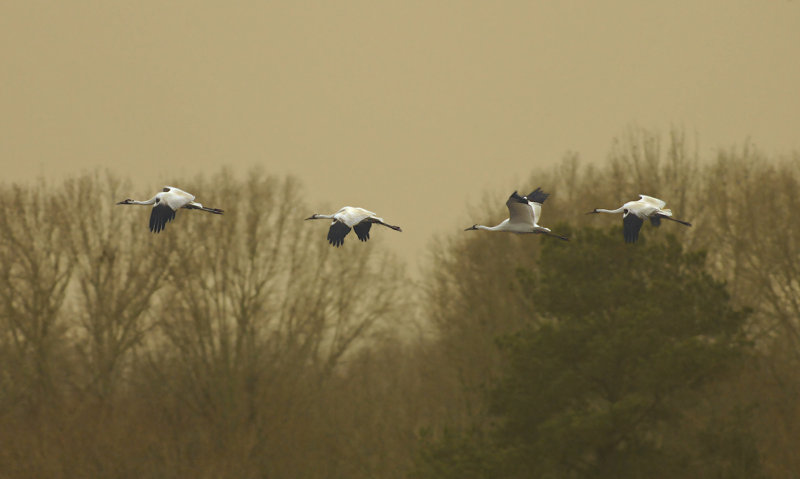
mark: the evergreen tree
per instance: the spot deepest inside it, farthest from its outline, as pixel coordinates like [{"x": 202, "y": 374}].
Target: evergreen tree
[{"x": 623, "y": 342}]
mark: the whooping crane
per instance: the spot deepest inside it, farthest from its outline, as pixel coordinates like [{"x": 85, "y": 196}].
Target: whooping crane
[
  {"x": 165, "y": 203},
  {"x": 635, "y": 212},
  {"x": 523, "y": 215},
  {"x": 348, "y": 217}
]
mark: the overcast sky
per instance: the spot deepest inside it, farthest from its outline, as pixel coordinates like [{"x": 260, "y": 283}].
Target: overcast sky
[{"x": 396, "y": 106}]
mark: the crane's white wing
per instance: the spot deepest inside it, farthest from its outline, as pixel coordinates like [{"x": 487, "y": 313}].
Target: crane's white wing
[
  {"x": 178, "y": 192},
  {"x": 536, "y": 198},
  {"x": 352, "y": 216},
  {"x": 175, "y": 198},
  {"x": 653, "y": 201},
  {"x": 537, "y": 212},
  {"x": 519, "y": 210}
]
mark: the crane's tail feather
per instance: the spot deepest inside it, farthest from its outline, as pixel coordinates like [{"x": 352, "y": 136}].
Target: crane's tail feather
[
  {"x": 685, "y": 223},
  {"x": 396, "y": 228},
  {"x": 216, "y": 211},
  {"x": 554, "y": 235},
  {"x": 197, "y": 206}
]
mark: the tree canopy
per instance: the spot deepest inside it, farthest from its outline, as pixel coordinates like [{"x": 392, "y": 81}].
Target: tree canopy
[{"x": 619, "y": 343}]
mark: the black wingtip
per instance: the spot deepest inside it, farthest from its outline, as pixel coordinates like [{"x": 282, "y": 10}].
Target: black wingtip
[
  {"x": 537, "y": 196},
  {"x": 516, "y": 197},
  {"x": 631, "y": 224},
  {"x": 337, "y": 233}
]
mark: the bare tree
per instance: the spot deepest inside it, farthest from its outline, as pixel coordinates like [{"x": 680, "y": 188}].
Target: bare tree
[
  {"x": 34, "y": 274},
  {"x": 118, "y": 267},
  {"x": 754, "y": 244},
  {"x": 257, "y": 315},
  {"x": 752, "y": 238}
]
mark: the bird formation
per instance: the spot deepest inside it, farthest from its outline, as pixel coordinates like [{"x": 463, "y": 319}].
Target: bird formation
[{"x": 524, "y": 214}]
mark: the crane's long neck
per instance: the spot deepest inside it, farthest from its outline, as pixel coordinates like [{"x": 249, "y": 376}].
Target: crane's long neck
[
  {"x": 486, "y": 228},
  {"x": 320, "y": 217},
  {"x": 135, "y": 202},
  {"x": 601, "y": 210}
]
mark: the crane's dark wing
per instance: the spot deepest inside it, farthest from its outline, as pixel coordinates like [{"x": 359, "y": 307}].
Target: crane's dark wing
[
  {"x": 631, "y": 224},
  {"x": 516, "y": 198},
  {"x": 538, "y": 196},
  {"x": 362, "y": 230},
  {"x": 160, "y": 216},
  {"x": 337, "y": 232}
]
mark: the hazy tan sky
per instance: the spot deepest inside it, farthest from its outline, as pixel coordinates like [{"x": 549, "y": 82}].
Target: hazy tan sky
[{"x": 402, "y": 107}]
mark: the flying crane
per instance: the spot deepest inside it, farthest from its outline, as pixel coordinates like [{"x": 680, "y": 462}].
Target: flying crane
[
  {"x": 523, "y": 215},
  {"x": 166, "y": 203},
  {"x": 635, "y": 212},
  {"x": 348, "y": 217}
]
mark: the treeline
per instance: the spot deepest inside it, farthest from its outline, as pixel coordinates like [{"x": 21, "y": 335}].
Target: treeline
[
  {"x": 565, "y": 352},
  {"x": 245, "y": 346},
  {"x": 233, "y": 348}
]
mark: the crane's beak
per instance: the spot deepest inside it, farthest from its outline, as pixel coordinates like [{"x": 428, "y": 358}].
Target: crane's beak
[
  {"x": 311, "y": 217},
  {"x": 591, "y": 212},
  {"x": 471, "y": 228}
]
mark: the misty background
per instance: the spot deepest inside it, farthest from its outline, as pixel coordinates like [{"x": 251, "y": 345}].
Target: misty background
[
  {"x": 245, "y": 346},
  {"x": 391, "y": 106}
]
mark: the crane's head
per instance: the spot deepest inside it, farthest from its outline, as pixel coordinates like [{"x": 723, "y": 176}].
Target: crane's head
[
  {"x": 594, "y": 211},
  {"x": 126, "y": 202},
  {"x": 473, "y": 227},
  {"x": 312, "y": 217}
]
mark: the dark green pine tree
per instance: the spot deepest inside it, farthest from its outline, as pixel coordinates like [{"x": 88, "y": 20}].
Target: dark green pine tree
[{"x": 624, "y": 340}]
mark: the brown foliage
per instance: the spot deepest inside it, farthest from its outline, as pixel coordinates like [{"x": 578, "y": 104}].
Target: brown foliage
[
  {"x": 741, "y": 205},
  {"x": 219, "y": 348},
  {"x": 243, "y": 345}
]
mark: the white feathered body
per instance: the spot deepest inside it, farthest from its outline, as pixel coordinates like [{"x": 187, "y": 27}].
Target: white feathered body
[
  {"x": 647, "y": 206},
  {"x": 353, "y": 215}
]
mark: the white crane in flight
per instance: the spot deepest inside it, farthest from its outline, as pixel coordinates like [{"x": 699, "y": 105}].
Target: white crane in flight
[
  {"x": 166, "y": 203},
  {"x": 635, "y": 212},
  {"x": 523, "y": 215},
  {"x": 349, "y": 217}
]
